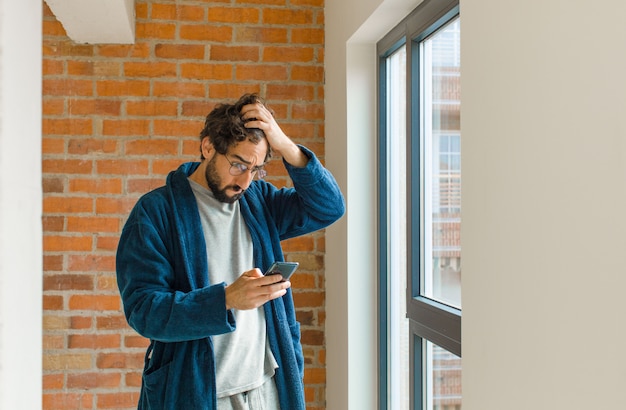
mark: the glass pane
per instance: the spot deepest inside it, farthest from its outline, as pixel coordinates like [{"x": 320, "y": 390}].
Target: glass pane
[
  {"x": 441, "y": 162},
  {"x": 398, "y": 360},
  {"x": 443, "y": 379}
]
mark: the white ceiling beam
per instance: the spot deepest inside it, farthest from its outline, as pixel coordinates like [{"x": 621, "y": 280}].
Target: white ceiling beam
[{"x": 96, "y": 21}]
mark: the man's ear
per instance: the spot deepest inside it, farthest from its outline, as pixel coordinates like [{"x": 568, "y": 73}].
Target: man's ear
[{"x": 207, "y": 148}]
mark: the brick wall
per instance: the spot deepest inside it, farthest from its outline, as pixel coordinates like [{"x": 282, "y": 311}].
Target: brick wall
[{"x": 116, "y": 120}]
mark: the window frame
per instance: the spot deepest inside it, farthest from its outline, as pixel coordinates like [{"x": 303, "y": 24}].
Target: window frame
[{"x": 429, "y": 320}]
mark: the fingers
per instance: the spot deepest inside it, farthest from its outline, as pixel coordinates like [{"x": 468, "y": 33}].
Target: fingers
[
  {"x": 256, "y": 112},
  {"x": 254, "y": 273},
  {"x": 252, "y": 290}
]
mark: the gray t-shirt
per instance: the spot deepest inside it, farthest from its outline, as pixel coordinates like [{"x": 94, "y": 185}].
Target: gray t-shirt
[{"x": 243, "y": 359}]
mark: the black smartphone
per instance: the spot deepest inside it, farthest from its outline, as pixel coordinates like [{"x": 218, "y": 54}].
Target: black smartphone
[{"x": 285, "y": 269}]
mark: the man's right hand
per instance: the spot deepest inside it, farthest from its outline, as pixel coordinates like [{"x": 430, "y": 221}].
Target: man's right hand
[{"x": 252, "y": 289}]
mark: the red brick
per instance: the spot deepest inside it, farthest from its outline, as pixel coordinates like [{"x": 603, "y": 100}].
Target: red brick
[
  {"x": 290, "y": 16},
  {"x": 117, "y": 400},
  {"x": 308, "y": 112},
  {"x": 96, "y": 185},
  {"x": 164, "y": 167},
  {"x": 94, "y": 68},
  {"x": 290, "y": 92},
  {"x": 91, "y": 341},
  {"x": 81, "y": 322},
  {"x": 179, "y": 89},
  {"x": 67, "y": 401},
  {"x": 53, "y": 381},
  {"x": 92, "y": 224},
  {"x": 53, "y": 223},
  {"x": 143, "y": 185},
  {"x": 151, "y": 147},
  {"x": 155, "y": 30},
  {"x": 152, "y": 108},
  {"x": 235, "y": 53},
  {"x": 163, "y": 11},
  {"x": 199, "y": 71},
  {"x": 52, "y": 302},
  {"x": 121, "y": 206},
  {"x": 314, "y": 3},
  {"x": 53, "y": 106},
  {"x": 193, "y": 13},
  {"x": 70, "y": 126},
  {"x": 107, "y": 282},
  {"x": 180, "y": 51},
  {"x": 94, "y": 302},
  {"x": 307, "y": 36},
  {"x": 122, "y": 167},
  {"x": 120, "y": 361},
  {"x": 206, "y": 32},
  {"x": 107, "y": 243},
  {"x": 67, "y": 282},
  {"x": 233, "y": 15},
  {"x": 66, "y": 48},
  {"x": 53, "y": 28},
  {"x": 288, "y": 54},
  {"x": 262, "y": 72},
  {"x": 149, "y": 69},
  {"x": 231, "y": 91},
  {"x": 109, "y": 88},
  {"x": 98, "y": 106},
  {"x": 309, "y": 299},
  {"x": 299, "y": 244},
  {"x": 170, "y": 128},
  {"x": 133, "y": 379},
  {"x": 307, "y": 73},
  {"x": 91, "y": 263},
  {"x": 125, "y": 127},
  {"x": 111, "y": 322},
  {"x": 67, "y": 204},
  {"x": 59, "y": 243},
  {"x": 69, "y": 87},
  {"x": 264, "y": 34},
  {"x": 197, "y": 108},
  {"x": 314, "y": 375},
  {"x": 263, "y": 2},
  {"x": 53, "y": 145},
  {"x": 52, "y": 67},
  {"x": 136, "y": 341},
  {"x": 93, "y": 380},
  {"x": 52, "y": 263}
]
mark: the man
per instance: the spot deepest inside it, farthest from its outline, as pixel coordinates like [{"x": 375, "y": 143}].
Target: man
[{"x": 190, "y": 262}]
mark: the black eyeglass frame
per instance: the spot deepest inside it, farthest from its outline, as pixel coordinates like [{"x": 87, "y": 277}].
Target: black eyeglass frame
[{"x": 237, "y": 168}]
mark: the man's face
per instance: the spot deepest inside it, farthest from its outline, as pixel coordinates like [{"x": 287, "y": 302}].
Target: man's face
[{"x": 226, "y": 187}]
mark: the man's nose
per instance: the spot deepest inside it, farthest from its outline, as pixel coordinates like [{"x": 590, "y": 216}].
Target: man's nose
[{"x": 245, "y": 179}]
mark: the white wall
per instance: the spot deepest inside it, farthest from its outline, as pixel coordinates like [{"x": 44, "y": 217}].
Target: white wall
[
  {"x": 544, "y": 194},
  {"x": 352, "y": 29},
  {"x": 544, "y": 204},
  {"x": 20, "y": 204}
]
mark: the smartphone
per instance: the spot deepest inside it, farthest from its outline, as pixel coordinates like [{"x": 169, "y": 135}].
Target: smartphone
[{"x": 285, "y": 269}]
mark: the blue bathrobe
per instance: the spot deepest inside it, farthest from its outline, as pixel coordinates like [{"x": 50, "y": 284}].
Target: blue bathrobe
[{"x": 162, "y": 274}]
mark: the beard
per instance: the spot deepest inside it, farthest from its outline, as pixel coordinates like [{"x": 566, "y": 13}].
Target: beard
[{"x": 214, "y": 181}]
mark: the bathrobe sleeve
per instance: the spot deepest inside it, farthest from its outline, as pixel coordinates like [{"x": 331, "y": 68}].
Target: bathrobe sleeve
[{"x": 165, "y": 295}]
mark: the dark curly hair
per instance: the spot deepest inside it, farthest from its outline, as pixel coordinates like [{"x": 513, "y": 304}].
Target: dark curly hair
[{"x": 225, "y": 127}]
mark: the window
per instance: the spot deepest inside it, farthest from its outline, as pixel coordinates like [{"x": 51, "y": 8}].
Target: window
[{"x": 419, "y": 210}]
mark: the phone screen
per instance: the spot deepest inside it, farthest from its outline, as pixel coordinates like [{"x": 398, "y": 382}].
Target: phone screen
[{"x": 285, "y": 269}]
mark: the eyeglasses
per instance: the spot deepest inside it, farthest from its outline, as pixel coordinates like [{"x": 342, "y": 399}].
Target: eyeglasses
[{"x": 237, "y": 168}]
